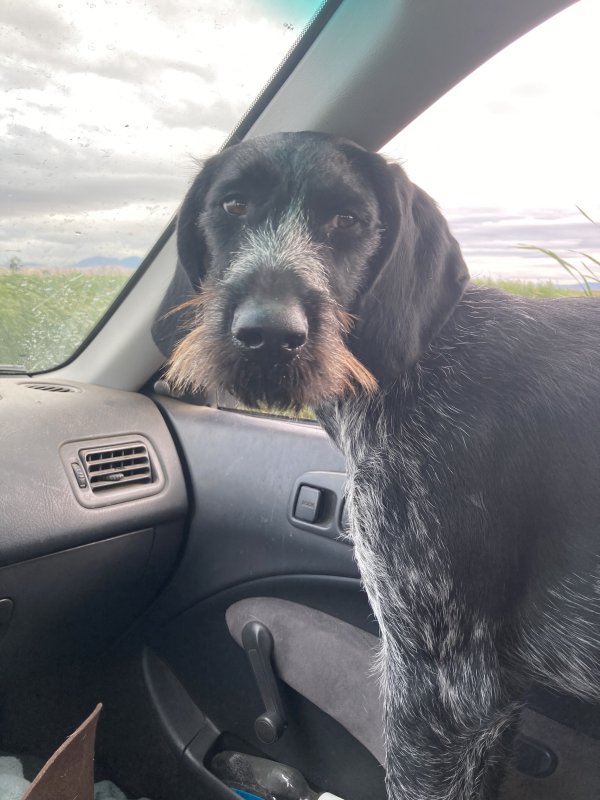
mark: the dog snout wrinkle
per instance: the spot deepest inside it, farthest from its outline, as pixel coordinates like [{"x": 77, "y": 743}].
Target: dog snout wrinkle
[{"x": 275, "y": 327}]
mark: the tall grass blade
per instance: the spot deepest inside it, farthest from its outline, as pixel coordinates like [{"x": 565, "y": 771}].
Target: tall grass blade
[{"x": 587, "y": 216}]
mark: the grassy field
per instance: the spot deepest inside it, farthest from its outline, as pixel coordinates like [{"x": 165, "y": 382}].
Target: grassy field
[
  {"x": 546, "y": 290},
  {"x": 46, "y": 314}
]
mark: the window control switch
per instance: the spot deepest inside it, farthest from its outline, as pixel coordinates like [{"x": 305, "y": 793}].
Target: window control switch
[{"x": 307, "y": 504}]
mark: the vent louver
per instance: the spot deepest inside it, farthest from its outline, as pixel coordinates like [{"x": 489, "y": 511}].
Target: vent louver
[
  {"x": 121, "y": 465},
  {"x": 52, "y": 387}
]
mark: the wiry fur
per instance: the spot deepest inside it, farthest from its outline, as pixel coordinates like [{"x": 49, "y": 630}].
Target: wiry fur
[
  {"x": 472, "y": 470},
  {"x": 274, "y": 259},
  {"x": 476, "y": 530}
]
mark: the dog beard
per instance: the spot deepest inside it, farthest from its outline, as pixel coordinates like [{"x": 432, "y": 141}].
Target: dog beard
[{"x": 324, "y": 370}]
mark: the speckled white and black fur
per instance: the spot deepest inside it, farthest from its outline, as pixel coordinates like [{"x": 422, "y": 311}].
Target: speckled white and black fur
[
  {"x": 476, "y": 521},
  {"x": 472, "y": 475}
]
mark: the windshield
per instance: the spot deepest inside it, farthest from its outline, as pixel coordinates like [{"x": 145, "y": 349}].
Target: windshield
[{"x": 104, "y": 111}]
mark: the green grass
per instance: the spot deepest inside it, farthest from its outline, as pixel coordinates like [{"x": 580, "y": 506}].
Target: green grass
[
  {"x": 584, "y": 272},
  {"x": 304, "y": 413},
  {"x": 546, "y": 290},
  {"x": 46, "y": 314}
]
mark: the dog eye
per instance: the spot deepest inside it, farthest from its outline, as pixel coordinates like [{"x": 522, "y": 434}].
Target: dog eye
[
  {"x": 235, "y": 206},
  {"x": 343, "y": 220}
]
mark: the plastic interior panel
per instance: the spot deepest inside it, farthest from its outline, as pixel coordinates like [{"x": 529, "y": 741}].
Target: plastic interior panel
[
  {"x": 214, "y": 670},
  {"x": 339, "y": 677},
  {"x": 72, "y": 453},
  {"x": 95, "y": 590},
  {"x": 242, "y": 470},
  {"x": 41, "y": 513},
  {"x": 181, "y": 719},
  {"x": 240, "y": 529},
  {"x": 332, "y": 488}
]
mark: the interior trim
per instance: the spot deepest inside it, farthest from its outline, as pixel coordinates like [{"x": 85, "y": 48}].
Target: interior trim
[{"x": 323, "y": 658}]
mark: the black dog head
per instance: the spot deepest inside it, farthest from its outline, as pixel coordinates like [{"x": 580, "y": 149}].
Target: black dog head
[{"x": 320, "y": 268}]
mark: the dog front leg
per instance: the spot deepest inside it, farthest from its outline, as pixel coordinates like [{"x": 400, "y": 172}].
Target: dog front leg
[{"x": 449, "y": 724}]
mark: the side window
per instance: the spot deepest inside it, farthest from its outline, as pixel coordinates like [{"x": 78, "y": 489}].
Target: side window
[
  {"x": 104, "y": 107},
  {"x": 511, "y": 155}
]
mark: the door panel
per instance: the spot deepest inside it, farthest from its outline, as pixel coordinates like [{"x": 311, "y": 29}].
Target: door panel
[
  {"x": 244, "y": 474},
  {"x": 350, "y": 696},
  {"x": 214, "y": 670},
  {"x": 242, "y": 471}
]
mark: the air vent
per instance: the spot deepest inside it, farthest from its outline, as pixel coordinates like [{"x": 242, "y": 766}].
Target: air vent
[
  {"x": 121, "y": 465},
  {"x": 51, "y": 387}
]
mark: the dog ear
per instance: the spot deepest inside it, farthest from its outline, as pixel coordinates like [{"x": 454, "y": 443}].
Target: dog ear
[
  {"x": 172, "y": 321},
  {"x": 191, "y": 248},
  {"x": 417, "y": 278}
]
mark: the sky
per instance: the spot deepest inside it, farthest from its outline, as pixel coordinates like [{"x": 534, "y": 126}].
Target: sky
[
  {"x": 512, "y": 151},
  {"x": 106, "y": 105}
]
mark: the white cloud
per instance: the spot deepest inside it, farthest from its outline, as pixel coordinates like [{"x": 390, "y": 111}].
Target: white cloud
[{"x": 106, "y": 103}]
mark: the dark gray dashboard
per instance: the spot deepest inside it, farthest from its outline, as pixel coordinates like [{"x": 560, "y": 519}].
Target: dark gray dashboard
[
  {"x": 43, "y": 428},
  {"x": 92, "y": 519}
]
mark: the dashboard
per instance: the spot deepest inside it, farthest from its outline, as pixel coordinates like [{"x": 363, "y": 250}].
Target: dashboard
[{"x": 92, "y": 510}]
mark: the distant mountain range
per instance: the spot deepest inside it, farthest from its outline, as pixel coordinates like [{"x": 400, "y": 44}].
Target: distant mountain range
[
  {"x": 594, "y": 286},
  {"x": 132, "y": 262}
]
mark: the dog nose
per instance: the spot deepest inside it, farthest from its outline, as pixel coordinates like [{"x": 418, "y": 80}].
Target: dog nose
[{"x": 274, "y": 327}]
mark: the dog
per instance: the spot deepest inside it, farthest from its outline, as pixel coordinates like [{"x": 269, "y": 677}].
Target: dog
[{"x": 469, "y": 420}]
